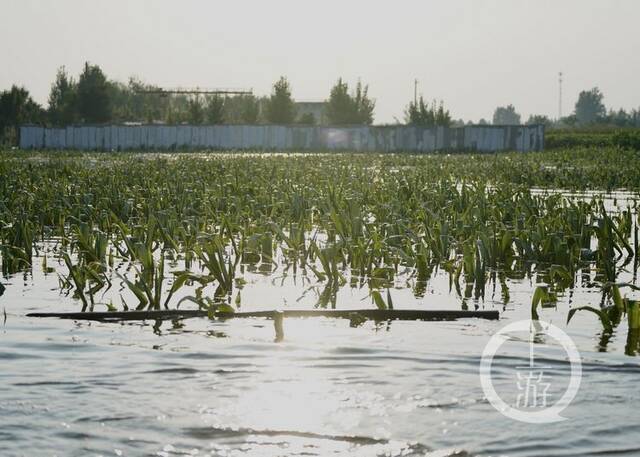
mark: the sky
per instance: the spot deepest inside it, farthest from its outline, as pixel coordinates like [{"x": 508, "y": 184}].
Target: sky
[{"x": 472, "y": 54}]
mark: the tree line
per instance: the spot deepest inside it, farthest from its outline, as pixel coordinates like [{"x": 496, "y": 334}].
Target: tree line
[
  {"x": 93, "y": 98},
  {"x": 589, "y": 112}
]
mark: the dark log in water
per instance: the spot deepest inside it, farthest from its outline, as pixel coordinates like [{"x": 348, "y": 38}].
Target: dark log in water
[{"x": 372, "y": 314}]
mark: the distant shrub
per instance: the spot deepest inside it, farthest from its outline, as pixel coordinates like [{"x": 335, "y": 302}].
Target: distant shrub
[
  {"x": 562, "y": 139},
  {"x": 628, "y": 139},
  {"x": 572, "y": 139}
]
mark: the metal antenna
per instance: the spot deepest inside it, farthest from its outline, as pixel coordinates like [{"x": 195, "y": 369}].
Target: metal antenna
[{"x": 560, "y": 96}]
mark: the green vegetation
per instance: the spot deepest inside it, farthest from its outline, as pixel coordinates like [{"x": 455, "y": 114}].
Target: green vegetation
[
  {"x": 590, "y": 106},
  {"x": 506, "y": 115},
  {"x": 590, "y": 115},
  {"x": 421, "y": 114},
  {"x": 93, "y": 98},
  {"x": 174, "y": 229},
  {"x": 280, "y": 106},
  {"x": 595, "y": 138},
  {"x": 17, "y": 108},
  {"x": 344, "y": 108}
]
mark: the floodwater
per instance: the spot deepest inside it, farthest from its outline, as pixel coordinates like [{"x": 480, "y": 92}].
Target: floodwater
[{"x": 212, "y": 388}]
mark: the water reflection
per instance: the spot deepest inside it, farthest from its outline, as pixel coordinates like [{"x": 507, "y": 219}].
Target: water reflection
[{"x": 328, "y": 389}]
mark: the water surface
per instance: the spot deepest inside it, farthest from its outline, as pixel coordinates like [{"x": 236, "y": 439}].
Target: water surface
[{"x": 226, "y": 389}]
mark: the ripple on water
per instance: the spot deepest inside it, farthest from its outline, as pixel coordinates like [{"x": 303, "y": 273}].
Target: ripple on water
[
  {"x": 409, "y": 391},
  {"x": 249, "y": 442}
]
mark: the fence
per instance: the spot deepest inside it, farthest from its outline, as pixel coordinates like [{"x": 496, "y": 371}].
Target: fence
[{"x": 276, "y": 137}]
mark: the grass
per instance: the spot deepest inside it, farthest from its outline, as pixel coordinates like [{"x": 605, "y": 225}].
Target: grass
[{"x": 158, "y": 223}]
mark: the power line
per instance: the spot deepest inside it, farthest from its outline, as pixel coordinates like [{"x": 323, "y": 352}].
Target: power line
[{"x": 194, "y": 91}]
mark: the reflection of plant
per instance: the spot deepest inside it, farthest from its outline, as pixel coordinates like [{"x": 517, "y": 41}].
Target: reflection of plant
[
  {"x": 611, "y": 242},
  {"x": 602, "y": 315},
  {"x": 85, "y": 278},
  {"x": 633, "y": 338},
  {"x": 543, "y": 298},
  {"x": 370, "y": 222},
  {"x": 328, "y": 258},
  {"x": 207, "y": 303},
  {"x": 219, "y": 265},
  {"x": 610, "y": 316},
  {"x": 91, "y": 244},
  {"x": 16, "y": 245},
  {"x": 149, "y": 278},
  {"x": 379, "y": 301}
]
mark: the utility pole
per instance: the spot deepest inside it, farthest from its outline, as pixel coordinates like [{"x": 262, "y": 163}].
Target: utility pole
[
  {"x": 415, "y": 92},
  {"x": 559, "y": 96}
]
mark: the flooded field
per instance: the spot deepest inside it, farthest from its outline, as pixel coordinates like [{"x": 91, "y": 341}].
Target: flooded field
[{"x": 345, "y": 231}]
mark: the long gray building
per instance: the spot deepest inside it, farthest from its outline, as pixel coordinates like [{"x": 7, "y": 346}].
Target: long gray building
[{"x": 275, "y": 137}]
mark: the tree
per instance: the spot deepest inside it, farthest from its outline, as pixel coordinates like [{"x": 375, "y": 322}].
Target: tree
[
  {"x": 418, "y": 113},
  {"x": 215, "y": 110},
  {"x": 620, "y": 118},
  {"x": 589, "y": 107},
  {"x": 62, "y": 99},
  {"x": 568, "y": 121},
  {"x": 280, "y": 107},
  {"x": 195, "y": 111},
  {"x": 178, "y": 109},
  {"x": 250, "y": 111},
  {"x": 307, "y": 119},
  {"x": 131, "y": 102},
  {"x": 343, "y": 108},
  {"x": 421, "y": 114},
  {"x": 442, "y": 116},
  {"x": 123, "y": 107},
  {"x": 340, "y": 106},
  {"x": 16, "y": 108},
  {"x": 506, "y": 115},
  {"x": 242, "y": 109},
  {"x": 364, "y": 106},
  {"x": 94, "y": 102},
  {"x": 539, "y": 119}
]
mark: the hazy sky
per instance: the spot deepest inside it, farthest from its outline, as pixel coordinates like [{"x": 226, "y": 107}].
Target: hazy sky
[{"x": 473, "y": 54}]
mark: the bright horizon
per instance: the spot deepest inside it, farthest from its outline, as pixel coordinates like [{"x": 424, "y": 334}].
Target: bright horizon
[{"x": 474, "y": 55}]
